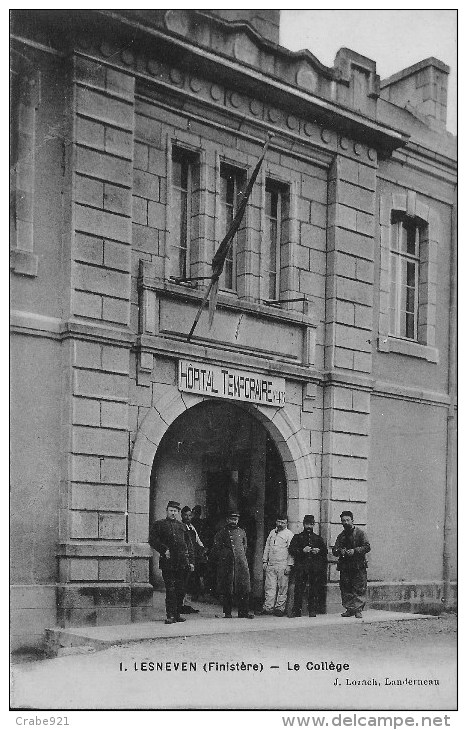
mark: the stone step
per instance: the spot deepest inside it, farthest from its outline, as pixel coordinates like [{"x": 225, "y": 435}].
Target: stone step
[{"x": 60, "y": 641}]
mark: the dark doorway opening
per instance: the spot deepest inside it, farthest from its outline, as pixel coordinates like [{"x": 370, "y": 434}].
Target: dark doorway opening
[{"x": 218, "y": 456}]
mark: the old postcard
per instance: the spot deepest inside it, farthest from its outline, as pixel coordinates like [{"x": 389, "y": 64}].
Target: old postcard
[{"x": 233, "y": 381}]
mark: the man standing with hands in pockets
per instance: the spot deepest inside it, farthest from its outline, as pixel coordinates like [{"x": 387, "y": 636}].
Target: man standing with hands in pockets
[
  {"x": 277, "y": 563},
  {"x": 309, "y": 552},
  {"x": 351, "y": 548},
  {"x": 171, "y": 540}
]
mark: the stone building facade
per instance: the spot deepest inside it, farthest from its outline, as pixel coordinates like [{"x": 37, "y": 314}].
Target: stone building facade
[{"x": 132, "y": 134}]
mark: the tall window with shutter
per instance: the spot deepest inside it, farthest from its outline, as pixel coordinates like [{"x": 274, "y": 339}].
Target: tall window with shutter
[
  {"x": 232, "y": 184},
  {"x": 275, "y": 204},
  {"x": 406, "y": 235},
  {"x": 184, "y": 209}
]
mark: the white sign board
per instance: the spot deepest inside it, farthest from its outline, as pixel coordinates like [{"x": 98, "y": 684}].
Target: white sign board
[{"x": 225, "y": 382}]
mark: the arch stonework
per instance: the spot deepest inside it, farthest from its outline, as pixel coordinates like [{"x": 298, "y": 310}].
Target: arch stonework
[{"x": 169, "y": 403}]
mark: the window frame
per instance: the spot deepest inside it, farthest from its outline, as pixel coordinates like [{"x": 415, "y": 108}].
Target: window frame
[
  {"x": 290, "y": 239},
  {"x": 193, "y": 158},
  {"x": 278, "y": 189},
  {"x": 410, "y": 206},
  {"x": 240, "y": 181},
  {"x": 401, "y": 259}
]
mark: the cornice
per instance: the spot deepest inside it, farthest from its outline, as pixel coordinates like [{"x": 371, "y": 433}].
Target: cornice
[
  {"x": 135, "y": 45},
  {"x": 191, "y": 56}
]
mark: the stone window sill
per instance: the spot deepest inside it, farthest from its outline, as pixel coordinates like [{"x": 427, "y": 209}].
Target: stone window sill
[
  {"x": 23, "y": 263},
  {"x": 405, "y": 347}
]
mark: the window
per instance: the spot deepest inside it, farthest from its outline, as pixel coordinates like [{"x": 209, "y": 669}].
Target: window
[
  {"x": 184, "y": 186},
  {"x": 232, "y": 185},
  {"x": 405, "y": 267},
  {"x": 410, "y": 235},
  {"x": 275, "y": 204}
]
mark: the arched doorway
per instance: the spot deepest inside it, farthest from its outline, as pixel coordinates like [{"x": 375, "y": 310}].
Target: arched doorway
[{"x": 219, "y": 456}]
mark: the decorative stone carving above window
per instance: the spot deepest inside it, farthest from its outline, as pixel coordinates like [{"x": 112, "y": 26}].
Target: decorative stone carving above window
[{"x": 406, "y": 209}]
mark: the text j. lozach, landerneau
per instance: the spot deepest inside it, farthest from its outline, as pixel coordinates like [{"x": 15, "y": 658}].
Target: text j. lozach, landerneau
[{"x": 388, "y": 682}]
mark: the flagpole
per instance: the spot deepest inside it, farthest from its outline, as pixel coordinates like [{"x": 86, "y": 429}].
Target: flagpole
[
  {"x": 220, "y": 255},
  {"x": 201, "y": 306}
]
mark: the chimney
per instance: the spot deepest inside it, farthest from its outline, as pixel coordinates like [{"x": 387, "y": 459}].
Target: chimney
[{"x": 421, "y": 88}]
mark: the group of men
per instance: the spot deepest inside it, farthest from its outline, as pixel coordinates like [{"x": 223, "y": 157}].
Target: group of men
[{"x": 181, "y": 552}]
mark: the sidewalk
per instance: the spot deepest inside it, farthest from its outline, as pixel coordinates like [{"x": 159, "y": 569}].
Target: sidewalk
[{"x": 209, "y": 621}]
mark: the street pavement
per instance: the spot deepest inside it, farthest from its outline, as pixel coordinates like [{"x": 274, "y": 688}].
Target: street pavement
[{"x": 312, "y": 664}]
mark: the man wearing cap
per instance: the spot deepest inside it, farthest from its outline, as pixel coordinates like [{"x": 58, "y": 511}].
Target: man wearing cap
[
  {"x": 351, "y": 547},
  {"x": 277, "y": 563},
  {"x": 171, "y": 540},
  {"x": 228, "y": 556},
  {"x": 309, "y": 552}
]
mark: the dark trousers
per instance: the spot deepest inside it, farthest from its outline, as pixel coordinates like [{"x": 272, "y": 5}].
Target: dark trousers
[
  {"x": 314, "y": 580},
  {"x": 352, "y": 582},
  {"x": 193, "y": 583},
  {"x": 242, "y": 601},
  {"x": 175, "y": 582}
]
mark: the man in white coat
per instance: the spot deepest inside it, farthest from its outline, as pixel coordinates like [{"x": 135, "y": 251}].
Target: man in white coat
[{"x": 277, "y": 564}]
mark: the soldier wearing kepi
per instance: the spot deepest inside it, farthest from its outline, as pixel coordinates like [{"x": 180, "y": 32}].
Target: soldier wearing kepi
[
  {"x": 277, "y": 563},
  {"x": 171, "y": 540},
  {"x": 228, "y": 556},
  {"x": 309, "y": 552},
  {"x": 351, "y": 548}
]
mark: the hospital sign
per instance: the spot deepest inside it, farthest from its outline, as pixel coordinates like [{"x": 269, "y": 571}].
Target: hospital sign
[{"x": 224, "y": 382}]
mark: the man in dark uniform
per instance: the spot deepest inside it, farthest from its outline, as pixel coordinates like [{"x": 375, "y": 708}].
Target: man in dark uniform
[
  {"x": 198, "y": 523},
  {"x": 171, "y": 540},
  {"x": 193, "y": 586},
  {"x": 228, "y": 556},
  {"x": 309, "y": 553},
  {"x": 351, "y": 547}
]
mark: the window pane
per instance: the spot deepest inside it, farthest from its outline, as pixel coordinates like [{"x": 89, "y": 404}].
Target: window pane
[
  {"x": 403, "y": 304},
  {"x": 271, "y": 202},
  {"x": 409, "y": 229},
  {"x": 229, "y": 189},
  {"x": 272, "y": 245},
  {"x": 180, "y": 201},
  {"x": 393, "y": 296},
  {"x": 228, "y": 273},
  {"x": 182, "y": 210},
  {"x": 272, "y": 286},
  {"x": 229, "y": 215},
  {"x": 410, "y": 273},
  {"x": 274, "y": 223},
  {"x": 223, "y": 189},
  {"x": 402, "y": 323},
  {"x": 410, "y": 300},
  {"x": 402, "y": 238},
  {"x": 228, "y": 192},
  {"x": 181, "y": 262}
]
